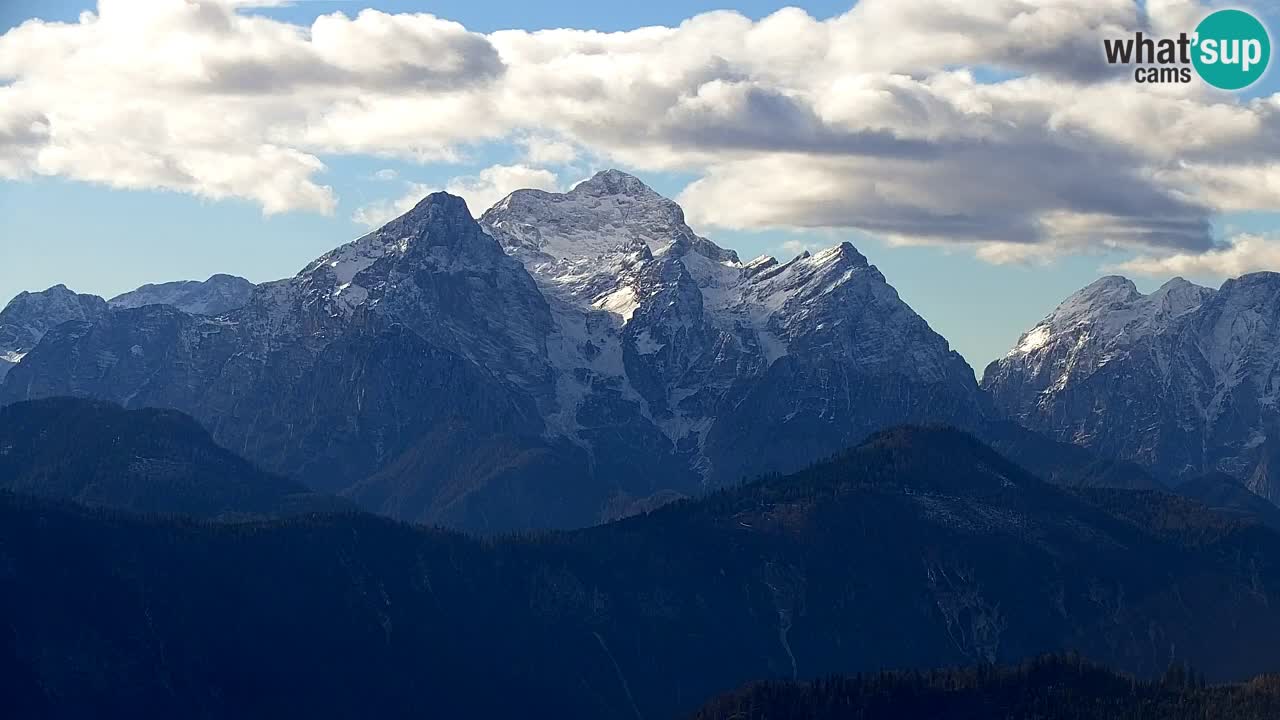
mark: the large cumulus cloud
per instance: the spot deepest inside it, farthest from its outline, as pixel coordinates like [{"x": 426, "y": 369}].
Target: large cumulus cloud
[{"x": 876, "y": 119}]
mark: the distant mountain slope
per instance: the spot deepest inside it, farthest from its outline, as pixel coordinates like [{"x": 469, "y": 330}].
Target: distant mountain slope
[
  {"x": 217, "y": 295},
  {"x": 1185, "y": 380},
  {"x": 1048, "y": 688},
  {"x": 26, "y": 319},
  {"x": 922, "y": 548},
  {"x": 30, "y": 315},
  {"x": 148, "y": 461},
  {"x": 1063, "y": 463},
  {"x": 1223, "y": 493}
]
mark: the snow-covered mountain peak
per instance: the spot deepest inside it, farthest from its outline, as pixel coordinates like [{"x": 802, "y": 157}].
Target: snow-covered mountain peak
[
  {"x": 760, "y": 263},
  {"x": 55, "y": 295},
  {"x": 1260, "y": 286},
  {"x": 438, "y": 218},
  {"x": 610, "y": 213},
  {"x": 54, "y": 305},
  {"x": 1111, "y": 310},
  {"x": 1186, "y": 378},
  {"x": 845, "y": 253},
  {"x": 615, "y": 182},
  {"x": 594, "y": 247},
  {"x": 1098, "y": 297},
  {"x": 650, "y": 313},
  {"x": 438, "y": 232},
  {"x": 1177, "y": 297},
  {"x": 808, "y": 275},
  {"x": 1174, "y": 284}
]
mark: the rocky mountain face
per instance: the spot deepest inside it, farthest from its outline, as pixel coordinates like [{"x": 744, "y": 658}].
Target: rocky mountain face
[
  {"x": 570, "y": 358},
  {"x": 27, "y": 317},
  {"x": 734, "y": 369},
  {"x": 414, "y": 352},
  {"x": 1184, "y": 380},
  {"x": 218, "y": 294},
  {"x": 921, "y": 548},
  {"x": 31, "y": 314}
]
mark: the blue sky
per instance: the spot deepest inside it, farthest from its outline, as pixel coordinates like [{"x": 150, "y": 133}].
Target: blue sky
[{"x": 95, "y": 238}]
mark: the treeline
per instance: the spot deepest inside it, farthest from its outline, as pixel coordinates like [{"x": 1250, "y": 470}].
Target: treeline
[{"x": 1052, "y": 687}]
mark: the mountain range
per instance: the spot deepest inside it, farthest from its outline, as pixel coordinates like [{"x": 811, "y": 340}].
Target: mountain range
[
  {"x": 575, "y": 357},
  {"x": 736, "y": 471},
  {"x": 570, "y": 358}
]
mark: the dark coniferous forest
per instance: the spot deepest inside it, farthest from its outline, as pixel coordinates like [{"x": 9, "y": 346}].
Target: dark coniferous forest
[
  {"x": 1060, "y": 687},
  {"x": 921, "y": 548}
]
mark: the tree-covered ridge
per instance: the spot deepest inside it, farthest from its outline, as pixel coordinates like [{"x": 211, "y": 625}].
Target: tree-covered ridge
[
  {"x": 146, "y": 461},
  {"x": 1056, "y": 687},
  {"x": 922, "y": 548}
]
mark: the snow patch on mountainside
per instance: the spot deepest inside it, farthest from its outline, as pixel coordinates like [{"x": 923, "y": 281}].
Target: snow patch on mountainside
[
  {"x": 334, "y": 273},
  {"x": 621, "y": 302},
  {"x": 1032, "y": 341}
]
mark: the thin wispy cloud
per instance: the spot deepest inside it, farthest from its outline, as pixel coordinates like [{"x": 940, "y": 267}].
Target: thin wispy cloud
[{"x": 1240, "y": 254}]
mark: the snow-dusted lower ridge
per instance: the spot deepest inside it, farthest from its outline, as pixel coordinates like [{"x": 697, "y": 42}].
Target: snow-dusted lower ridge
[
  {"x": 27, "y": 317},
  {"x": 1185, "y": 379},
  {"x": 217, "y": 295},
  {"x": 569, "y": 358}
]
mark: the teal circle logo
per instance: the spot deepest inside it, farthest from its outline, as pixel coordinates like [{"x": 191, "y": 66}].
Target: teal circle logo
[{"x": 1232, "y": 49}]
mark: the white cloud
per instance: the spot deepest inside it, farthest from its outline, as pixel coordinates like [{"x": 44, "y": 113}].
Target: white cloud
[
  {"x": 192, "y": 96},
  {"x": 871, "y": 120},
  {"x": 481, "y": 191},
  {"x": 548, "y": 151},
  {"x": 492, "y": 184},
  {"x": 1006, "y": 253},
  {"x": 379, "y": 212},
  {"x": 793, "y": 247},
  {"x": 1241, "y": 254}
]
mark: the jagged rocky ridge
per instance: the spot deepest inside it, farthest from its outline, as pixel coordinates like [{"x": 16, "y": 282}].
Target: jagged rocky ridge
[
  {"x": 570, "y": 358},
  {"x": 31, "y": 314},
  {"x": 1184, "y": 380}
]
